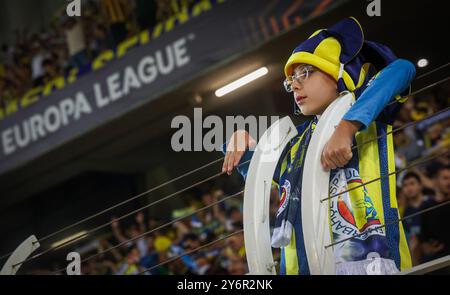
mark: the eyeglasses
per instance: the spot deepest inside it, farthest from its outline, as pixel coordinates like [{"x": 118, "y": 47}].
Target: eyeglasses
[{"x": 301, "y": 74}]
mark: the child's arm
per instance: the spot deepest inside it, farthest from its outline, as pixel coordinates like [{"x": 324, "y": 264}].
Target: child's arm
[
  {"x": 390, "y": 82},
  {"x": 371, "y": 105},
  {"x": 243, "y": 168}
]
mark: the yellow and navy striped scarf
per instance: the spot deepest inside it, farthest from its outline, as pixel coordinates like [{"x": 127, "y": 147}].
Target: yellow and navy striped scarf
[{"x": 291, "y": 190}]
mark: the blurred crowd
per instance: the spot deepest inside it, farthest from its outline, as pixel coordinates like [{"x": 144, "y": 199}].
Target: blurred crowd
[
  {"x": 36, "y": 58},
  {"x": 425, "y": 185},
  {"x": 145, "y": 253}
]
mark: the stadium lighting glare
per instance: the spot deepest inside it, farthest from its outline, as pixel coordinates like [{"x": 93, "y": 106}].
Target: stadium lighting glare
[
  {"x": 69, "y": 238},
  {"x": 241, "y": 81},
  {"x": 423, "y": 62}
]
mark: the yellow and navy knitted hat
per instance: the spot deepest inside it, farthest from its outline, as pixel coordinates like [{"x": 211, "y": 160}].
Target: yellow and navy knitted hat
[{"x": 342, "y": 52}]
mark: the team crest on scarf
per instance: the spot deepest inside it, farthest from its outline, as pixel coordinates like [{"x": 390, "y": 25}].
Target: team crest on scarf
[
  {"x": 353, "y": 212},
  {"x": 284, "y": 199}
]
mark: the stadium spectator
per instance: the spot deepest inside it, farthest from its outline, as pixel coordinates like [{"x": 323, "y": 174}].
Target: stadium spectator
[
  {"x": 116, "y": 13},
  {"x": 412, "y": 190},
  {"x": 434, "y": 240},
  {"x": 76, "y": 42}
]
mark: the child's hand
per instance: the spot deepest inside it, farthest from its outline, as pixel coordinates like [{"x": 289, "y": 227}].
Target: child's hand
[
  {"x": 239, "y": 142},
  {"x": 338, "y": 150}
]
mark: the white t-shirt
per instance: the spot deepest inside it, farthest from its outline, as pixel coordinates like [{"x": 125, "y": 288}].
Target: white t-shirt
[
  {"x": 37, "y": 70},
  {"x": 75, "y": 39}
]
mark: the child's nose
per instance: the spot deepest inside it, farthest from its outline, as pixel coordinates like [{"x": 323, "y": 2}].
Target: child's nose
[{"x": 296, "y": 86}]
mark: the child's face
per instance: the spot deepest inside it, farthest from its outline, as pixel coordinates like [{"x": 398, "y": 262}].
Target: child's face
[{"x": 315, "y": 92}]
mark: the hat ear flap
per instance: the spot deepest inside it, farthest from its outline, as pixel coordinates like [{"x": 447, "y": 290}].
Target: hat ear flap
[{"x": 351, "y": 37}]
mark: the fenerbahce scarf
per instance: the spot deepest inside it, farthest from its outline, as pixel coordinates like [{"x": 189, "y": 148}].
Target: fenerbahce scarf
[
  {"x": 292, "y": 189},
  {"x": 351, "y": 214}
]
